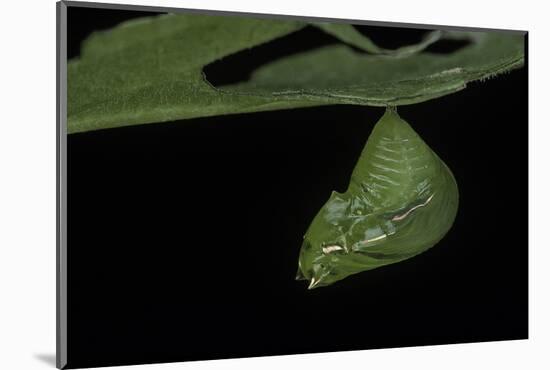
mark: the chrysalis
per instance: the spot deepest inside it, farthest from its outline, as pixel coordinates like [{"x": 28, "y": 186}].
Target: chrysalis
[{"x": 401, "y": 200}]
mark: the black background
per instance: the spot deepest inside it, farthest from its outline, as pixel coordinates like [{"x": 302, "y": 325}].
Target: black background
[{"x": 184, "y": 236}]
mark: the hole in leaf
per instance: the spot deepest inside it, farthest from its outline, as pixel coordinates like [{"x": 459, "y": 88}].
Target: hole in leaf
[
  {"x": 238, "y": 67},
  {"x": 392, "y": 37},
  {"x": 447, "y": 46}
]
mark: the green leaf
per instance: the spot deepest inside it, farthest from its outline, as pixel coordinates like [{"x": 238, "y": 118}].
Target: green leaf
[
  {"x": 151, "y": 70},
  {"x": 337, "y": 74},
  {"x": 401, "y": 200}
]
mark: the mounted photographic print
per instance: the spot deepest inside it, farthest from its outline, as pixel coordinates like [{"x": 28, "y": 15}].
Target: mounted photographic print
[{"x": 238, "y": 185}]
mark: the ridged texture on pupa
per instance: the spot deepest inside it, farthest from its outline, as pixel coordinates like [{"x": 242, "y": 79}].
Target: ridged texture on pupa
[{"x": 402, "y": 199}]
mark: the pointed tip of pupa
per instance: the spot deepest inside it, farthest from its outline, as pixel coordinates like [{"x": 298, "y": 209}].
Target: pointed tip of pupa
[{"x": 314, "y": 283}]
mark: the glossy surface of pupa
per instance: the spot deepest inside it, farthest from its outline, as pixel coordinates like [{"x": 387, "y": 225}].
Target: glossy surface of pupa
[{"x": 401, "y": 200}]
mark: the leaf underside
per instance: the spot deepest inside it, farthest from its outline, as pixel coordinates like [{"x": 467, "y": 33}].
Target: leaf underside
[{"x": 151, "y": 70}]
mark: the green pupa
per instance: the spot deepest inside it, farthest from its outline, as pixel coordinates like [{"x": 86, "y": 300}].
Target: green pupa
[{"x": 401, "y": 200}]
